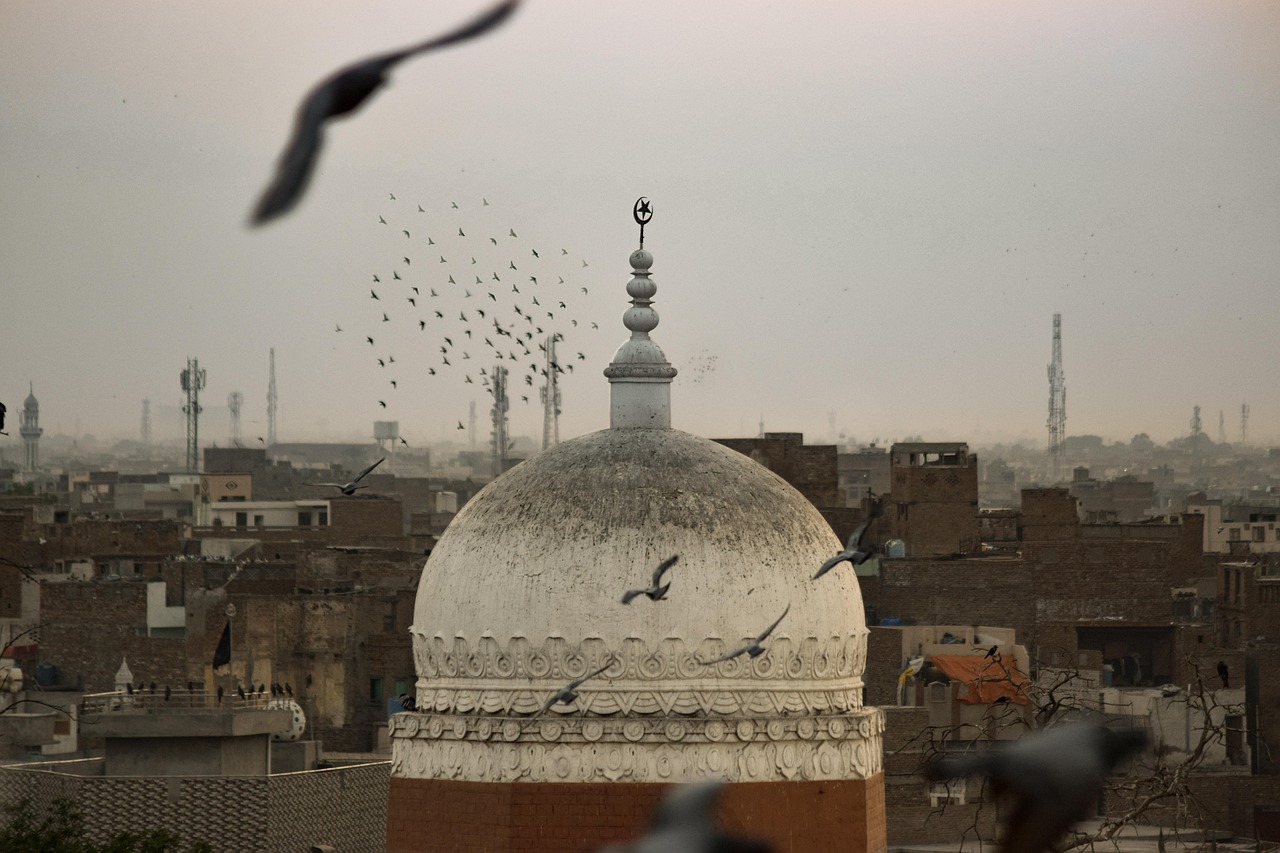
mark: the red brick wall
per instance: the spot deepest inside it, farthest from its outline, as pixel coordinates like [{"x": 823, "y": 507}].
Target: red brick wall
[
  {"x": 809, "y": 468},
  {"x": 482, "y": 817}
]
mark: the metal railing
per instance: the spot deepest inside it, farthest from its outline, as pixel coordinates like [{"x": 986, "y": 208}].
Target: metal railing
[{"x": 177, "y": 701}]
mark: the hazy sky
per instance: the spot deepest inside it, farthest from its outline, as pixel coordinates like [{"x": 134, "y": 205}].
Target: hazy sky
[{"x": 866, "y": 209}]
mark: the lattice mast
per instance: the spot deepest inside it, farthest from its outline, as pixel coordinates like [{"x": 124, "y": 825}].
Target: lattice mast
[
  {"x": 234, "y": 401},
  {"x": 1244, "y": 424},
  {"x": 551, "y": 397},
  {"x": 146, "y": 423},
  {"x": 272, "y": 400},
  {"x": 1057, "y": 405},
  {"x": 192, "y": 383},
  {"x": 499, "y": 413}
]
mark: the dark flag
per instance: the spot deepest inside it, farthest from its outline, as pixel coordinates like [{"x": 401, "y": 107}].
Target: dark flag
[{"x": 222, "y": 654}]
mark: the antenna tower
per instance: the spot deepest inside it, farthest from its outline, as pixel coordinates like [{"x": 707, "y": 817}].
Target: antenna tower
[
  {"x": 1196, "y": 432},
  {"x": 551, "y": 397},
  {"x": 471, "y": 427},
  {"x": 271, "y": 401},
  {"x": 192, "y": 381},
  {"x": 146, "y": 423},
  {"x": 1244, "y": 424},
  {"x": 234, "y": 400},
  {"x": 1222, "y": 427},
  {"x": 1057, "y": 405},
  {"x": 499, "y": 413}
]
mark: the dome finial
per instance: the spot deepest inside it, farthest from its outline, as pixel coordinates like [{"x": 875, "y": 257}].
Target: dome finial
[{"x": 640, "y": 376}]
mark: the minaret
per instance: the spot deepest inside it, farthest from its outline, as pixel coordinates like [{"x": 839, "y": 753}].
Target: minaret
[
  {"x": 640, "y": 375},
  {"x": 29, "y": 429}
]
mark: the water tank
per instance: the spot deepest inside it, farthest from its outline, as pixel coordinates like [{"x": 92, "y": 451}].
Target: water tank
[
  {"x": 895, "y": 549},
  {"x": 46, "y": 674}
]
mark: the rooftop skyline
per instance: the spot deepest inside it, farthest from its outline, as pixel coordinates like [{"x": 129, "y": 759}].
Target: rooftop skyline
[{"x": 871, "y": 211}]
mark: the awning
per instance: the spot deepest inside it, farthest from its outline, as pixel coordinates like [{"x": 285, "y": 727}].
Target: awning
[{"x": 986, "y": 679}]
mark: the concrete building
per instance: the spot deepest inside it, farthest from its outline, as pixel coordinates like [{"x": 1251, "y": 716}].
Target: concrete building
[
  {"x": 521, "y": 596},
  {"x": 932, "y": 507},
  {"x": 225, "y": 770}
]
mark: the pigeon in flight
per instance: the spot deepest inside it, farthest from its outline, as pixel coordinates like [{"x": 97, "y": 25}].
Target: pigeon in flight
[
  {"x": 657, "y": 589},
  {"x": 752, "y": 648},
  {"x": 1052, "y": 778},
  {"x": 460, "y": 426},
  {"x": 349, "y": 489},
  {"x": 853, "y": 551},
  {"x": 339, "y": 94},
  {"x": 684, "y": 823},
  {"x": 566, "y": 695}
]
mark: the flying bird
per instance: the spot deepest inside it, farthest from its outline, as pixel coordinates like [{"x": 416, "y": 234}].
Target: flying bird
[
  {"x": 567, "y": 694},
  {"x": 460, "y": 426},
  {"x": 752, "y": 648},
  {"x": 853, "y": 551},
  {"x": 1052, "y": 778},
  {"x": 657, "y": 589},
  {"x": 374, "y": 295},
  {"x": 340, "y": 94},
  {"x": 684, "y": 822},
  {"x": 349, "y": 489}
]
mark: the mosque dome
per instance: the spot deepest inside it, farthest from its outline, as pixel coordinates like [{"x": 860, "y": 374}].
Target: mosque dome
[
  {"x": 522, "y": 595},
  {"x": 30, "y": 404}
]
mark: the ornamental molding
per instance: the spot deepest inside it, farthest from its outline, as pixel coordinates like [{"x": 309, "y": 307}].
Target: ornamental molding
[
  {"x": 809, "y": 676},
  {"x": 593, "y": 749}
]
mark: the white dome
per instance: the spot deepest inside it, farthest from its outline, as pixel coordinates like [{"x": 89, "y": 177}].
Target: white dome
[
  {"x": 548, "y": 549},
  {"x": 523, "y": 594}
]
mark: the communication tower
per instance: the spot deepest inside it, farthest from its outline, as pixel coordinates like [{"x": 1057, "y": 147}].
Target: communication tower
[
  {"x": 499, "y": 413},
  {"x": 1057, "y": 405},
  {"x": 146, "y": 423},
  {"x": 1196, "y": 432},
  {"x": 271, "y": 401},
  {"x": 192, "y": 382},
  {"x": 551, "y": 398},
  {"x": 1244, "y": 424},
  {"x": 234, "y": 401},
  {"x": 1222, "y": 427}
]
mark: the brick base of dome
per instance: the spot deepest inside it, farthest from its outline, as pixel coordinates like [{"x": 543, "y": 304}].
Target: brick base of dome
[{"x": 434, "y": 816}]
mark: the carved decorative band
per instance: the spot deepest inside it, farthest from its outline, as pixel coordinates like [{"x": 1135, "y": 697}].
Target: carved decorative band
[
  {"x": 828, "y": 659},
  {"x": 595, "y": 750}
]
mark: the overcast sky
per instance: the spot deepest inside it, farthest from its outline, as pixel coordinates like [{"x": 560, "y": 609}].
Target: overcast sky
[{"x": 866, "y": 212}]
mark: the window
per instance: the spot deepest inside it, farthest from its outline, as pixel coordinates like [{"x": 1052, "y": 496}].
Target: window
[
  {"x": 389, "y": 618},
  {"x": 242, "y": 518},
  {"x": 1233, "y": 535},
  {"x": 375, "y": 691},
  {"x": 257, "y": 521},
  {"x": 1259, "y": 534},
  {"x": 952, "y": 792},
  {"x": 324, "y": 518},
  {"x": 304, "y": 519}
]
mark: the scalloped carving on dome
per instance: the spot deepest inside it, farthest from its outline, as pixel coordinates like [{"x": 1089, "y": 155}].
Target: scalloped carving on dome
[
  {"x": 792, "y": 678},
  {"x": 593, "y": 749}
]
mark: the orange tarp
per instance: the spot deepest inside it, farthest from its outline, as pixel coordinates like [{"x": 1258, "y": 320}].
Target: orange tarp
[{"x": 987, "y": 679}]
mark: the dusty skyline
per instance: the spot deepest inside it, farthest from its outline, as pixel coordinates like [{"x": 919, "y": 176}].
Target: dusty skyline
[{"x": 871, "y": 209}]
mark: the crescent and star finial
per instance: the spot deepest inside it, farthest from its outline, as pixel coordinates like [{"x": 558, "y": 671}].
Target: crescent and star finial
[{"x": 642, "y": 212}]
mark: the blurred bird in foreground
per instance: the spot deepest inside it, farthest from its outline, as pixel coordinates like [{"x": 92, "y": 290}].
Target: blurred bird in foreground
[
  {"x": 684, "y": 823},
  {"x": 339, "y": 94},
  {"x": 1051, "y": 778}
]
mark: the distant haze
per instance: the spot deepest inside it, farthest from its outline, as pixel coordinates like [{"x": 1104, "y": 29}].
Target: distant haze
[{"x": 866, "y": 214}]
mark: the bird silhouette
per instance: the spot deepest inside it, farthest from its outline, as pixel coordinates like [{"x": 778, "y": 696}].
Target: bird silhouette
[
  {"x": 657, "y": 590},
  {"x": 1052, "y": 778},
  {"x": 853, "y": 550},
  {"x": 684, "y": 822},
  {"x": 349, "y": 489},
  {"x": 340, "y": 94},
  {"x": 567, "y": 694},
  {"x": 460, "y": 426},
  {"x": 753, "y": 647}
]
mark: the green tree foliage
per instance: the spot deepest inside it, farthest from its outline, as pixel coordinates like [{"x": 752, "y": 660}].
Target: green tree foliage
[{"x": 61, "y": 829}]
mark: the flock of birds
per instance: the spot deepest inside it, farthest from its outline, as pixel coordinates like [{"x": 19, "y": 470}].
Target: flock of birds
[
  {"x": 1051, "y": 778},
  {"x": 465, "y": 297}
]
